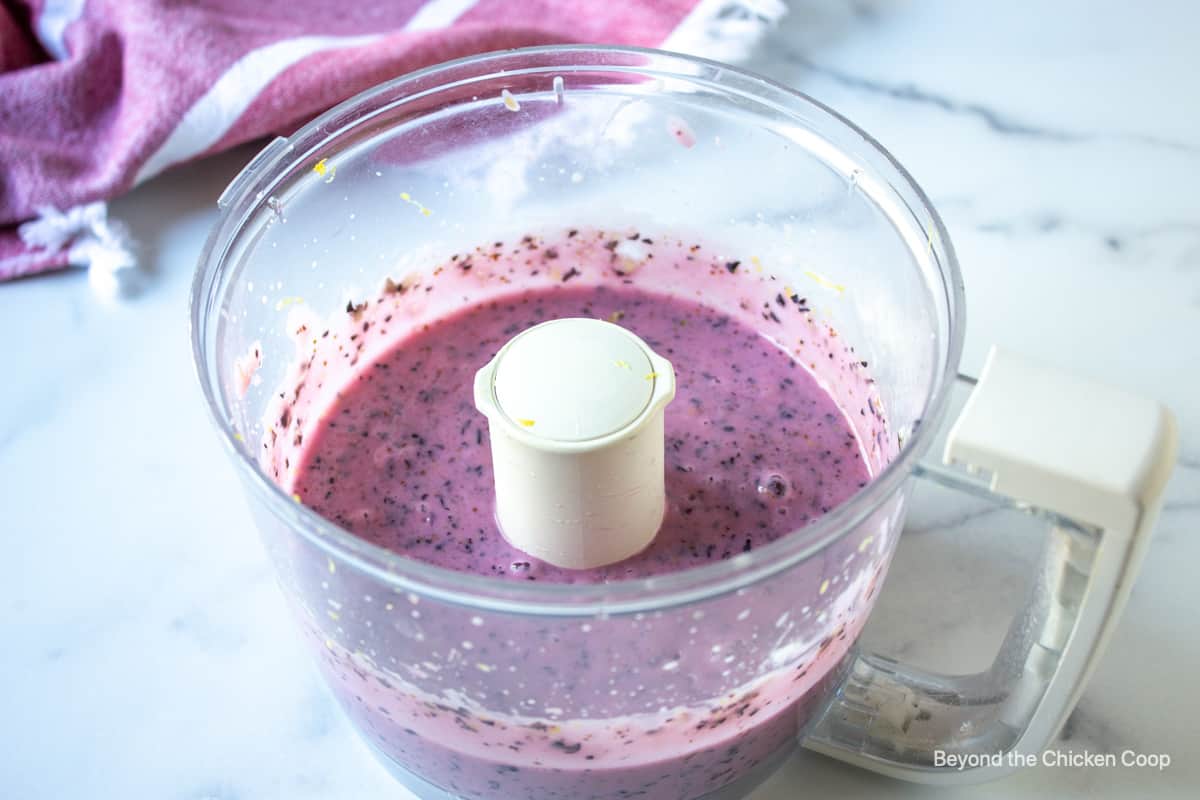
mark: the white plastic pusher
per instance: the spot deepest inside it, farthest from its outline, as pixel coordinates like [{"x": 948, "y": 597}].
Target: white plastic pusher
[{"x": 575, "y": 416}]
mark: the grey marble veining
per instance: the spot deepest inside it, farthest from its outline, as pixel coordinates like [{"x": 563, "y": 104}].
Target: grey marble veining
[{"x": 148, "y": 653}]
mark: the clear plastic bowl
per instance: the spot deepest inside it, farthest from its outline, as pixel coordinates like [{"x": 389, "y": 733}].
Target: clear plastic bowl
[{"x": 460, "y": 682}]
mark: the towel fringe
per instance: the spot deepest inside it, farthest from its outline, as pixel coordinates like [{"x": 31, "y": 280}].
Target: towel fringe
[{"x": 90, "y": 239}]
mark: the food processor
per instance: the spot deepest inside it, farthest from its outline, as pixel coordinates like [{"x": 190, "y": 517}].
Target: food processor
[{"x": 697, "y": 683}]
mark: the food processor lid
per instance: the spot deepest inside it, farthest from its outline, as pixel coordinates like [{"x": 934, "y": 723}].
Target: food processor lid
[{"x": 571, "y": 380}]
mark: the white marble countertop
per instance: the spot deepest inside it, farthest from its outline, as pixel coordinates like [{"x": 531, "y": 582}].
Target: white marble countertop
[{"x": 148, "y": 653}]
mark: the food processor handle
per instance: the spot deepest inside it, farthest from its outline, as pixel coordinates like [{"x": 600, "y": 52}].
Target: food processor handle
[{"x": 1091, "y": 460}]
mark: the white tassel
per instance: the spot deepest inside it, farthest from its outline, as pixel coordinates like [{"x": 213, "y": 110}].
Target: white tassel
[
  {"x": 93, "y": 241},
  {"x": 725, "y": 30}
]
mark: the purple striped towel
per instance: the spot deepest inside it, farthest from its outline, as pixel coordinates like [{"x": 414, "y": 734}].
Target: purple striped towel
[{"x": 97, "y": 96}]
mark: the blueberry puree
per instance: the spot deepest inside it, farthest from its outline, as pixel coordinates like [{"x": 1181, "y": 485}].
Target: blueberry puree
[
  {"x": 754, "y": 446},
  {"x": 775, "y": 422}
]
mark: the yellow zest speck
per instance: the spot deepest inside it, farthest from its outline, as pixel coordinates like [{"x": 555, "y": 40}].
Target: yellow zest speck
[
  {"x": 623, "y": 364},
  {"x": 616, "y": 316},
  {"x": 284, "y": 302},
  {"x": 510, "y": 102},
  {"x": 238, "y": 437},
  {"x": 862, "y": 547},
  {"x": 421, "y": 208},
  {"x": 327, "y": 172},
  {"x": 329, "y": 643},
  {"x": 824, "y": 586},
  {"x": 333, "y": 615},
  {"x": 527, "y": 423},
  {"x": 651, "y": 376},
  {"x": 332, "y": 566},
  {"x": 296, "y": 497},
  {"x": 826, "y": 282}
]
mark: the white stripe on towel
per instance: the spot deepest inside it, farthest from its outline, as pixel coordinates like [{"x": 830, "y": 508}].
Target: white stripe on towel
[
  {"x": 52, "y": 25},
  {"x": 438, "y": 14},
  {"x": 227, "y": 99},
  {"x": 210, "y": 117}
]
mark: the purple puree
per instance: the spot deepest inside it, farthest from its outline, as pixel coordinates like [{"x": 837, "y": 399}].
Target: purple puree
[
  {"x": 376, "y": 430},
  {"x": 754, "y": 446}
]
